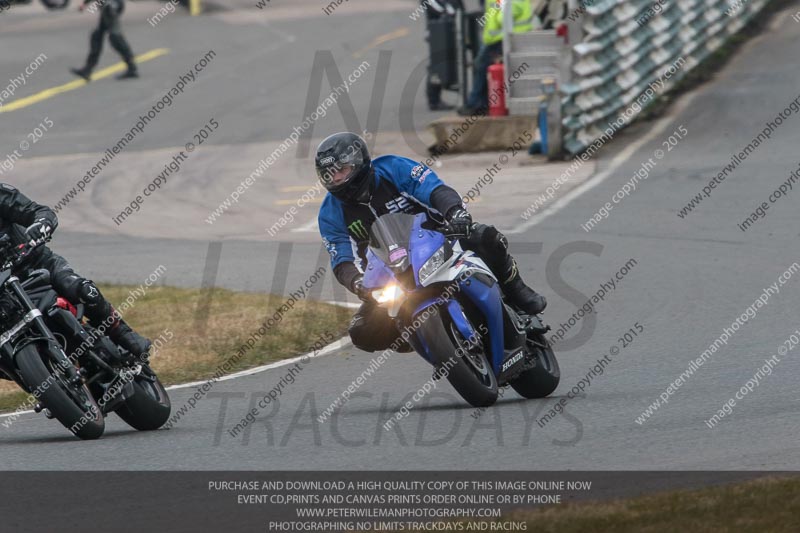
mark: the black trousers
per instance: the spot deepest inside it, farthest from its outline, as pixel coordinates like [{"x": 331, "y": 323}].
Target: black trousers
[
  {"x": 109, "y": 23},
  {"x": 69, "y": 285},
  {"x": 372, "y": 329},
  {"x": 433, "y": 85}
]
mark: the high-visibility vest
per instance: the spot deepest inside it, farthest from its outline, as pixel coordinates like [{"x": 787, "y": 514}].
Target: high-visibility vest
[{"x": 524, "y": 20}]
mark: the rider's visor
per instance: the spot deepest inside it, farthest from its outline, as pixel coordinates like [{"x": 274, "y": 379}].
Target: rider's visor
[{"x": 336, "y": 173}]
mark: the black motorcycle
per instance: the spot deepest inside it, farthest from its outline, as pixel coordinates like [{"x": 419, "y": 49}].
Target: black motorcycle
[
  {"x": 76, "y": 374},
  {"x": 55, "y": 4},
  {"x": 49, "y": 4}
]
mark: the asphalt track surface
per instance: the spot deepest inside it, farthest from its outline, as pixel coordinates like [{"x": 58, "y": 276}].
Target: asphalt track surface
[{"x": 692, "y": 277}]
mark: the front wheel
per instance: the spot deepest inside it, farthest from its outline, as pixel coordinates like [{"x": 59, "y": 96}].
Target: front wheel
[
  {"x": 467, "y": 368},
  {"x": 72, "y": 405},
  {"x": 149, "y": 407},
  {"x": 541, "y": 380}
]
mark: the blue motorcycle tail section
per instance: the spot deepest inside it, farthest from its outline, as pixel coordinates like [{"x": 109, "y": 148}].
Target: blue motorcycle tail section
[{"x": 489, "y": 301}]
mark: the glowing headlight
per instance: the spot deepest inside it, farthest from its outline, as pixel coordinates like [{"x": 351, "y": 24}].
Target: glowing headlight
[
  {"x": 388, "y": 294},
  {"x": 432, "y": 264}
]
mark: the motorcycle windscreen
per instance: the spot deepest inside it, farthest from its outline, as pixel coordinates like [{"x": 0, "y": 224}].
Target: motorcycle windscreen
[{"x": 389, "y": 239}]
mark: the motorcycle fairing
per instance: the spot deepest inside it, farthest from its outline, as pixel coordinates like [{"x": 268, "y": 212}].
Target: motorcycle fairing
[
  {"x": 378, "y": 275},
  {"x": 485, "y": 294}
]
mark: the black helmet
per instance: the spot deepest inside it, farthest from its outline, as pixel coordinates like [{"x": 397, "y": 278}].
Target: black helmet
[{"x": 344, "y": 167}]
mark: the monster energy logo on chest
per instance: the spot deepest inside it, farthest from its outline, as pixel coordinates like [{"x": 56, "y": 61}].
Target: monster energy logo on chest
[{"x": 358, "y": 230}]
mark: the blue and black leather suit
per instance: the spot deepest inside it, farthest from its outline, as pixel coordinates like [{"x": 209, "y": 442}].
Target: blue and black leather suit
[{"x": 401, "y": 185}]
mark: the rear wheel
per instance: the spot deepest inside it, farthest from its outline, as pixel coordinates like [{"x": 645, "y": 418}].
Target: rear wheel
[
  {"x": 541, "y": 380},
  {"x": 465, "y": 363},
  {"x": 149, "y": 407},
  {"x": 72, "y": 405}
]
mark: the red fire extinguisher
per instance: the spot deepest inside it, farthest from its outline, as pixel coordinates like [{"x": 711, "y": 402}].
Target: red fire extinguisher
[{"x": 497, "y": 90}]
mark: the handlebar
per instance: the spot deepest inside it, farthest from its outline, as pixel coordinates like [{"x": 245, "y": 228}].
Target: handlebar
[
  {"x": 448, "y": 232},
  {"x": 16, "y": 254}
]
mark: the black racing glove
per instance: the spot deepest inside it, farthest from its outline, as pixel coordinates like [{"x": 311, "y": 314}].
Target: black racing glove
[
  {"x": 459, "y": 222},
  {"x": 39, "y": 230},
  {"x": 357, "y": 288}
]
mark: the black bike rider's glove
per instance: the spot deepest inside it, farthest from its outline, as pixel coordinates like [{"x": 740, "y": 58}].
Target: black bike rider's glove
[
  {"x": 459, "y": 221},
  {"x": 41, "y": 229}
]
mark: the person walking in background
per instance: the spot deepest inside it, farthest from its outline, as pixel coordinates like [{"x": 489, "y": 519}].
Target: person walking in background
[
  {"x": 110, "y": 12},
  {"x": 492, "y": 47},
  {"x": 435, "y": 10}
]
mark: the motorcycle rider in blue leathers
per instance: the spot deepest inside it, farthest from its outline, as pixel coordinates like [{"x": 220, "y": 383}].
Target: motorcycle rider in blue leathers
[{"x": 361, "y": 189}]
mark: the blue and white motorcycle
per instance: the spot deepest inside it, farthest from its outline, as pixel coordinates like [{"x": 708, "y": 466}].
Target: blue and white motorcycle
[{"x": 452, "y": 312}]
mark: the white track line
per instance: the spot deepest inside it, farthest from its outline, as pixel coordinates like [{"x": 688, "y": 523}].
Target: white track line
[
  {"x": 349, "y": 305},
  {"x": 613, "y": 166},
  {"x": 341, "y": 343}
]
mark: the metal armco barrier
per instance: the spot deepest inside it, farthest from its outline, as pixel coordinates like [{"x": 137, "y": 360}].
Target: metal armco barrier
[{"x": 626, "y": 46}]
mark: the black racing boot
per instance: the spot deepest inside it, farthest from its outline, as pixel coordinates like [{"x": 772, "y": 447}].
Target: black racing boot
[
  {"x": 122, "y": 334},
  {"x": 517, "y": 292},
  {"x": 85, "y": 73},
  {"x": 520, "y": 295}
]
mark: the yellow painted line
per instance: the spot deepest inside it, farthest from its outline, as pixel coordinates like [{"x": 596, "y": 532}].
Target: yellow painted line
[
  {"x": 386, "y": 37},
  {"x": 194, "y": 7},
  {"x": 76, "y": 84},
  {"x": 292, "y": 202}
]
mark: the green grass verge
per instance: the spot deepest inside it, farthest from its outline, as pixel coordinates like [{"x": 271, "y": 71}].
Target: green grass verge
[
  {"x": 758, "y": 506},
  {"x": 198, "y": 347}
]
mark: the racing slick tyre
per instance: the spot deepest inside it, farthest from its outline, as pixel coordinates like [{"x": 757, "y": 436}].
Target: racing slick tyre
[
  {"x": 149, "y": 407},
  {"x": 465, "y": 367},
  {"x": 72, "y": 405},
  {"x": 541, "y": 380}
]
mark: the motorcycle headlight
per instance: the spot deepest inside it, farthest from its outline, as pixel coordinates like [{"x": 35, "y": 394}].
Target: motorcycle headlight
[
  {"x": 432, "y": 264},
  {"x": 388, "y": 294}
]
